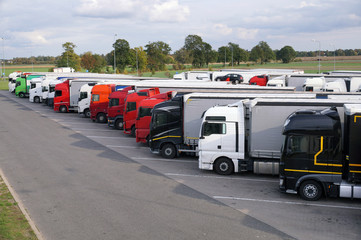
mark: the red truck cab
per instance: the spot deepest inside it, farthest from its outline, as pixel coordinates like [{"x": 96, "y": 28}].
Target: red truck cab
[
  {"x": 131, "y": 106},
  {"x": 116, "y": 107},
  {"x": 144, "y": 115},
  {"x": 99, "y": 102},
  {"x": 260, "y": 80},
  {"x": 62, "y": 97}
]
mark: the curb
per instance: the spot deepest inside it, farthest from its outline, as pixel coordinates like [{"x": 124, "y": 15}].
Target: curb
[{"x": 22, "y": 207}]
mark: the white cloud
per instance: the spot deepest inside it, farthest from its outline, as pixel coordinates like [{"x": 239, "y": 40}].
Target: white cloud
[
  {"x": 35, "y": 37},
  {"x": 243, "y": 33},
  {"x": 168, "y": 11},
  {"x": 223, "y": 29},
  {"x": 152, "y": 10},
  {"x": 107, "y": 8}
]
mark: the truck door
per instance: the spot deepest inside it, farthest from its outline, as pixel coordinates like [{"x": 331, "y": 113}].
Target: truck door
[{"x": 219, "y": 136}]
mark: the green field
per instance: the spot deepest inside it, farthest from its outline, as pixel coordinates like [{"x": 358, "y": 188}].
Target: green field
[{"x": 308, "y": 65}]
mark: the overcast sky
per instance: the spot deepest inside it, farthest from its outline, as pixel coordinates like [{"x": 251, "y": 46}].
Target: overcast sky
[{"x": 40, "y": 27}]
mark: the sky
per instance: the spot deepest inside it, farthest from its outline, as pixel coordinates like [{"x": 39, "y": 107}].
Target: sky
[{"x": 40, "y": 27}]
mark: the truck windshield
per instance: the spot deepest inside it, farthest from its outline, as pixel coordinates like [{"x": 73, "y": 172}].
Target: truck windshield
[
  {"x": 165, "y": 117},
  {"x": 52, "y": 89},
  {"x": 18, "y": 83},
  {"x": 143, "y": 112},
  {"x": 213, "y": 128},
  {"x": 83, "y": 95},
  {"x": 131, "y": 106},
  {"x": 58, "y": 93},
  {"x": 44, "y": 89},
  {"x": 113, "y": 102},
  {"x": 33, "y": 85},
  {"x": 95, "y": 97}
]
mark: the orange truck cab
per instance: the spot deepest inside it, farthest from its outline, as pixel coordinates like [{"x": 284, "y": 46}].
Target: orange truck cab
[{"x": 99, "y": 102}]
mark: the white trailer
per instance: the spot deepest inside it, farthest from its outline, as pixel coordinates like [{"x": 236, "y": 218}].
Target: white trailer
[
  {"x": 176, "y": 123},
  {"x": 247, "y": 136}
]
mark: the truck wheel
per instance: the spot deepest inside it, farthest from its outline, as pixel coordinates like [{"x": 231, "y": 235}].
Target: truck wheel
[
  {"x": 36, "y": 99},
  {"x": 168, "y": 151},
  {"x": 118, "y": 124},
  {"x": 101, "y": 118},
  {"x": 21, "y": 95},
  {"x": 310, "y": 190},
  {"x": 87, "y": 113},
  {"x": 224, "y": 166},
  {"x": 63, "y": 109},
  {"x": 132, "y": 131}
]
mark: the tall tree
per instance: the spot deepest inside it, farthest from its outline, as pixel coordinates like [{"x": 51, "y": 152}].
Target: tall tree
[
  {"x": 195, "y": 45},
  {"x": 69, "y": 58},
  {"x": 182, "y": 56},
  {"x": 157, "y": 55},
  {"x": 286, "y": 54},
  {"x": 262, "y": 52},
  {"x": 122, "y": 54}
]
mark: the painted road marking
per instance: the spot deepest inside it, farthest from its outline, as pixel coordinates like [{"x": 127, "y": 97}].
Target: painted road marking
[
  {"x": 165, "y": 160},
  {"x": 219, "y": 177},
  {"x": 285, "y": 202}
]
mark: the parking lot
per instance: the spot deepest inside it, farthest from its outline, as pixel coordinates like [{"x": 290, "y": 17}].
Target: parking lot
[{"x": 256, "y": 196}]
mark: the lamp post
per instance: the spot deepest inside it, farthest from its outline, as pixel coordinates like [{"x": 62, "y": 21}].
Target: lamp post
[
  {"x": 114, "y": 54},
  {"x": 334, "y": 56},
  {"x": 319, "y": 56},
  {"x": 136, "y": 56},
  {"x": 3, "y": 62}
]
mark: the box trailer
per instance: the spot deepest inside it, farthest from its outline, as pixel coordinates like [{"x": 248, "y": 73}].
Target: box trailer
[{"x": 247, "y": 136}]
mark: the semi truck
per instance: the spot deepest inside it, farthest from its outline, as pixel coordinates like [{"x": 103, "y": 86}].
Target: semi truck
[
  {"x": 22, "y": 84},
  {"x": 116, "y": 107},
  {"x": 12, "y": 80},
  {"x": 35, "y": 89},
  {"x": 100, "y": 99},
  {"x": 132, "y": 101},
  {"x": 84, "y": 99},
  {"x": 67, "y": 94},
  {"x": 247, "y": 136},
  {"x": 176, "y": 123},
  {"x": 144, "y": 115},
  {"x": 321, "y": 154}
]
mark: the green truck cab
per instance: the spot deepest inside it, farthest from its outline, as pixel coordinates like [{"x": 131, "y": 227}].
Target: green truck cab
[{"x": 22, "y": 84}]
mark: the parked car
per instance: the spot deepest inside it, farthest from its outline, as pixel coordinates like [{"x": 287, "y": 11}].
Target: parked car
[{"x": 231, "y": 77}]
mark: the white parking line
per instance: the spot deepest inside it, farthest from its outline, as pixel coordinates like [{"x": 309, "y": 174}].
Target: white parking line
[
  {"x": 112, "y": 146},
  {"x": 220, "y": 177},
  {"x": 285, "y": 202},
  {"x": 165, "y": 160},
  {"x": 105, "y": 137},
  {"x": 91, "y": 129}
]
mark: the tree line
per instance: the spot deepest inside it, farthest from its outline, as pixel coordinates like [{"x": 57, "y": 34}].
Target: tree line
[{"x": 156, "y": 55}]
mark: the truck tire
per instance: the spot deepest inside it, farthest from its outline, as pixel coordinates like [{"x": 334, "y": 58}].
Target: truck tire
[
  {"x": 87, "y": 113},
  {"x": 168, "y": 151},
  {"x": 224, "y": 166},
  {"x": 63, "y": 109},
  {"x": 310, "y": 190},
  {"x": 21, "y": 95},
  {"x": 118, "y": 124},
  {"x": 101, "y": 118},
  {"x": 36, "y": 99}
]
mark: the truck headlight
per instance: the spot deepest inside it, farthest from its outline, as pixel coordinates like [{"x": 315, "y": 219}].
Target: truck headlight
[{"x": 281, "y": 181}]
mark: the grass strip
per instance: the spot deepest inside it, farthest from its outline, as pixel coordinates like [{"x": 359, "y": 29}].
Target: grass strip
[{"x": 13, "y": 224}]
